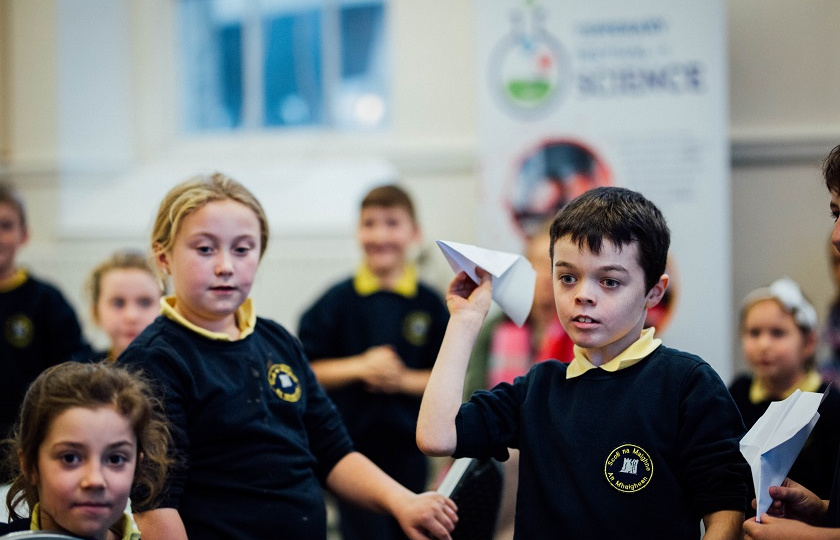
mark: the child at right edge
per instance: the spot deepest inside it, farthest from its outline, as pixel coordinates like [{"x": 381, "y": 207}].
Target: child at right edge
[{"x": 632, "y": 439}]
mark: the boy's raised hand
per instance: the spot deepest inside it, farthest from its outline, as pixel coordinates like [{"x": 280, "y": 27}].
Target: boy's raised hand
[{"x": 465, "y": 296}]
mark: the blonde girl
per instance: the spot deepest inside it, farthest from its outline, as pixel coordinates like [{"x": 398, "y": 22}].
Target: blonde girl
[
  {"x": 87, "y": 434},
  {"x": 259, "y": 437},
  {"x": 125, "y": 298}
]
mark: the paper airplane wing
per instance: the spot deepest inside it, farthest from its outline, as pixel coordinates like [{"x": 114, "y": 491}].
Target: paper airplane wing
[{"x": 513, "y": 276}]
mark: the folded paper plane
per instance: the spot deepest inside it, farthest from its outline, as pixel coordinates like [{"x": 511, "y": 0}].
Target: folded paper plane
[
  {"x": 772, "y": 444},
  {"x": 513, "y": 276}
]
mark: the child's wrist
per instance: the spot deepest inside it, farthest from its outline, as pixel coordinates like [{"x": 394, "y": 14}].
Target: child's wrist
[{"x": 469, "y": 319}]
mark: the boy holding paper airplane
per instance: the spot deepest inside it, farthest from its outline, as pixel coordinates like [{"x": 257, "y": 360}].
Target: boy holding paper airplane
[
  {"x": 796, "y": 512},
  {"x": 630, "y": 440},
  {"x": 372, "y": 339}
]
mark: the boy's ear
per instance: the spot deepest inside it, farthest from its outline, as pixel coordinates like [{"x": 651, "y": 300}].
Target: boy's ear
[{"x": 654, "y": 296}]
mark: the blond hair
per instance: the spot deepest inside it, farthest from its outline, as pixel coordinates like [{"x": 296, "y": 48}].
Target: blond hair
[
  {"x": 189, "y": 196},
  {"x": 126, "y": 259}
]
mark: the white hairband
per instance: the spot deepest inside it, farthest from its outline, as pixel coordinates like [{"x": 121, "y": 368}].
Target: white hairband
[{"x": 787, "y": 292}]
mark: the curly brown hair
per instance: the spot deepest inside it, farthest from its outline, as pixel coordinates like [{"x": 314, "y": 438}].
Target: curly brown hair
[{"x": 75, "y": 384}]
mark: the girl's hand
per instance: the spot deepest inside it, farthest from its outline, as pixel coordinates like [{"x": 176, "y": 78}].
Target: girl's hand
[
  {"x": 427, "y": 515},
  {"x": 465, "y": 296}
]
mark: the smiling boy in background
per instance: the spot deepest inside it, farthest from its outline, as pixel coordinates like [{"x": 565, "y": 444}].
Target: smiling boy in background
[{"x": 372, "y": 340}]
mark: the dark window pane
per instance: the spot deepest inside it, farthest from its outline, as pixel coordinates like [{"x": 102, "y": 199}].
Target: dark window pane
[
  {"x": 361, "y": 92},
  {"x": 230, "y": 71},
  {"x": 293, "y": 85},
  {"x": 361, "y": 26},
  {"x": 211, "y": 64}
]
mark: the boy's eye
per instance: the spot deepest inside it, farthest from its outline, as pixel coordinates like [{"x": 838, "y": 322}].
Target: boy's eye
[
  {"x": 118, "y": 303},
  {"x": 611, "y": 283},
  {"x": 835, "y": 214},
  {"x": 566, "y": 279},
  {"x": 146, "y": 302}
]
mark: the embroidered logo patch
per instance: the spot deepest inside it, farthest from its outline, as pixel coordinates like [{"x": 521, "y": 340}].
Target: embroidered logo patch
[
  {"x": 284, "y": 382},
  {"x": 416, "y": 327},
  {"x": 628, "y": 468},
  {"x": 19, "y": 331}
]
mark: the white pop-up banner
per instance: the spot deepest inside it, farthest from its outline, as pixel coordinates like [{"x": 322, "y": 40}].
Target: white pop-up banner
[{"x": 574, "y": 95}]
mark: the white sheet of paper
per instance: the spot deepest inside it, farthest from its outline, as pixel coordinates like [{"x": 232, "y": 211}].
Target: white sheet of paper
[
  {"x": 513, "y": 276},
  {"x": 772, "y": 444}
]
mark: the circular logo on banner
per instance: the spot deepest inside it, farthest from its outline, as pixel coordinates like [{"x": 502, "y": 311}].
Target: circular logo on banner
[
  {"x": 530, "y": 70},
  {"x": 19, "y": 331},
  {"x": 628, "y": 468},
  {"x": 284, "y": 382}
]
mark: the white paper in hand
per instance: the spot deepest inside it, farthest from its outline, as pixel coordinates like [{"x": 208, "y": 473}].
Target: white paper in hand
[
  {"x": 513, "y": 276},
  {"x": 772, "y": 444}
]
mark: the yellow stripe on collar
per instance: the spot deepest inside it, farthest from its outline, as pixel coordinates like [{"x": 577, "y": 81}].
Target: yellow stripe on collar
[
  {"x": 811, "y": 383},
  {"x": 635, "y": 353},
  {"x": 366, "y": 282},
  {"x": 16, "y": 280},
  {"x": 246, "y": 319},
  {"x": 125, "y": 529}
]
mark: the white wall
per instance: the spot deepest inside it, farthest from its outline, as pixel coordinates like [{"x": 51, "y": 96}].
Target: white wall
[{"x": 785, "y": 87}]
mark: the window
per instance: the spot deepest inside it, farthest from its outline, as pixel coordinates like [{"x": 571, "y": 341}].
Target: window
[{"x": 256, "y": 64}]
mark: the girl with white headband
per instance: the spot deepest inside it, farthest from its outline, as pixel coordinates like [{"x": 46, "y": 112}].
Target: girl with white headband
[{"x": 779, "y": 340}]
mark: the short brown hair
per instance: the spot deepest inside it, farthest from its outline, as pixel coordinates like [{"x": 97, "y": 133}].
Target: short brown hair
[
  {"x": 620, "y": 216},
  {"x": 831, "y": 170},
  {"x": 10, "y": 196},
  {"x": 389, "y": 196}
]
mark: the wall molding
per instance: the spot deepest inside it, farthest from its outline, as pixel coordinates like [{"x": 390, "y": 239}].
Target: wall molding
[{"x": 766, "y": 147}]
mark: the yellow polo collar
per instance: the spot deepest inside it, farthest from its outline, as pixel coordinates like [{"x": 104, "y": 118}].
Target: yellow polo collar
[
  {"x": 366, "y": 283},
  {"x": 126, "y": 528},
  {"x": 811, "y": 383},
  {"x": 17, "y": 279},
  {"x": 632, "y": 355},
  {"x": 246, "y": 319}
]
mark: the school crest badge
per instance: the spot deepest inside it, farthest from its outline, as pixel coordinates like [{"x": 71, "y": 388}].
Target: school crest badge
[{"x": 629, "y": 468}]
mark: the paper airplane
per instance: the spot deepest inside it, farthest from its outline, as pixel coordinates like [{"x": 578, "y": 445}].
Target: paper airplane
[
  {"x": 513, "y": 276},
  {"x": 772, "y": 444}
]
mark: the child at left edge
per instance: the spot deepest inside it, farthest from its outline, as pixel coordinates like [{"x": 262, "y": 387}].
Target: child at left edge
[
  {"x": 38, "y": 326},
  {"x": 255, "y": 436},
  {"x": 87, "y": 433},
  {"x": 630, "y": 440}
]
